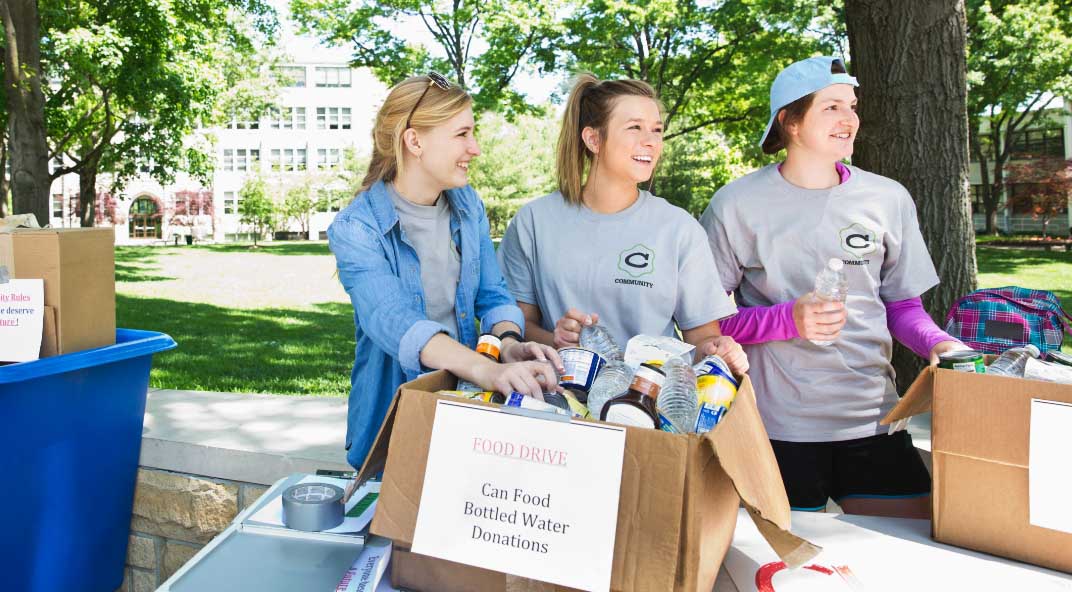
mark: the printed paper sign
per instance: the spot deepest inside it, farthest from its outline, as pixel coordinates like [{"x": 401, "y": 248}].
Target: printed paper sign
[
  {"x": 22, "y": 311},
  {"x": 366, "y": 574},
  {"x": 1049, "y": 470},
  {"x": 521, "y": 495}
]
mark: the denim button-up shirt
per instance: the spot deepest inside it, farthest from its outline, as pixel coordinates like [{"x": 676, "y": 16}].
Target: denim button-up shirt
[{"x": 381, "y": 273}]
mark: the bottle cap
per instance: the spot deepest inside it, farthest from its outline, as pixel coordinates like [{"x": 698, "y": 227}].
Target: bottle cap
[{"x": 835, "y": 264}]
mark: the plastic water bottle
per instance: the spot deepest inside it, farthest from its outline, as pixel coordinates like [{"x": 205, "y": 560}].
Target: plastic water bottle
[
  {"x": 1013, "y": 361},
  {"x": 678, "y": 397},
  {"x": 613, "y": 380},
  {"x": 598, "y": 339},
  {"x": 831, "y": 285}
]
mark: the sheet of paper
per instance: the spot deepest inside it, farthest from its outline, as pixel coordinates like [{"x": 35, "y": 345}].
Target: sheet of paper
[
  {"x": 22, "y": 311},
  {"x": 876, "y": 554},
  {"x": 521, "y": 495},
  {"x": 1049, "y": 466},
  {"x": 366, "y": 574},
  {"x": 359, "y": 509}
]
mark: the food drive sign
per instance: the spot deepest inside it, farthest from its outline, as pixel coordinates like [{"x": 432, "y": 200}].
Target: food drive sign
[{"x": 521, "y": 495}]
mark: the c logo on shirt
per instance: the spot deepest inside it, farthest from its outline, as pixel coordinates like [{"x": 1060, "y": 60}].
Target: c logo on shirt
[
  {"x": 858, "y": 240},
  {"x": 637, "y": 260}
]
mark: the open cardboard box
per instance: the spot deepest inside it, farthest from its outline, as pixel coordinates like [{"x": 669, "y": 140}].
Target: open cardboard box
[
  {"x": 677, "y": 509},
  {"x": 980, "y": 435}
]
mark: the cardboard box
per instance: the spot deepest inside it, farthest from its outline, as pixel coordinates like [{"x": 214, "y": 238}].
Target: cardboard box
[
  {"x": 980, "y": 434},
  {"x": 677, "y": 510},
  {"x": 78, "y": 266}
]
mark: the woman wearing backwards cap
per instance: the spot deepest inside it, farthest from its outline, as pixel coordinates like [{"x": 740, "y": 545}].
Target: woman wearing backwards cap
[{"x": 771, "y": 231}]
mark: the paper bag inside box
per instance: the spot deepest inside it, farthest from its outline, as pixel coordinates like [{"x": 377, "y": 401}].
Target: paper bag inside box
[{"x": 677, "y": 507}]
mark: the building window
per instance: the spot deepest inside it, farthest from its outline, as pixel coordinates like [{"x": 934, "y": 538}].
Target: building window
[
  {"x": 56, "y": 164},
  {"x": 243, "y": 121},
  {"x": 327, "y": 76},
  {"x": 1040, "y": 142},
  {"x": 332, "y": 118},
  {"x": 241, "y": 159},
  {"x": 328, "y": 158},
  {"x": 292, "y": 76},
  {"x": 288, "y": 159},
  {"x": 57, "y": 205},
  {"x": 230, "y": 202},
  {"x": 288, "y": 118}
]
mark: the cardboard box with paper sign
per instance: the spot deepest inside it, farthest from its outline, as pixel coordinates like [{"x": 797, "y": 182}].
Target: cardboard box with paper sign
[
  {"x": 1001, "y": 475},
  {"x": 78, "y": 269},
  {"x": 478, "y": 498}
]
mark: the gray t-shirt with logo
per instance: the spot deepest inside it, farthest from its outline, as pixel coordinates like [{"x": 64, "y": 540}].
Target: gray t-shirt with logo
[
  {"x": 770, "y": 239},
  {"x": 427, "y": 230},
  {"x": 641, "y": 269}
]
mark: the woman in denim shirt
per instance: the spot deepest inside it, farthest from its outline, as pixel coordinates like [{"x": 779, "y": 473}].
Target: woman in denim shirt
[{"x": 414, "y": 253}]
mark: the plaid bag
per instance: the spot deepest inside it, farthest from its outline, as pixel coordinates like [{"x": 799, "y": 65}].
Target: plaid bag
[{"x": 995, "y": 319}]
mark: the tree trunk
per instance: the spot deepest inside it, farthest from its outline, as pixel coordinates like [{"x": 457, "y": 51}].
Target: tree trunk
[
  {"x": 991, "y": 217},
  {"x": 30, "y": 180},
  {"x": 910, "y": 60},
  {"x": 87, "y": 192},
  {"x": 3, "y": 176}
]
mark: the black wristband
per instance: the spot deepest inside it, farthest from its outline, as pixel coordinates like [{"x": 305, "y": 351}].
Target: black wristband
[{"x": 517, "y": 336}]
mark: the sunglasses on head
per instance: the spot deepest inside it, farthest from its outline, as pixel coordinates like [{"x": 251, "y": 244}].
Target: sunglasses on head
[{"x": 434, "y": 79}]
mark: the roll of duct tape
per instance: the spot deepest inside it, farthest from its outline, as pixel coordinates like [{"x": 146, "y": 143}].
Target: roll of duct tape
[{"x": 312, "y": 507}]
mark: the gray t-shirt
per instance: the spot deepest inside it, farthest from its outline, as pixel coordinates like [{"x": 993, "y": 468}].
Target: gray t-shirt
[
  {"x": 770, "y": 239},
  {"x": 641, "y": 269},
  {"x": 427, "y": 230}
]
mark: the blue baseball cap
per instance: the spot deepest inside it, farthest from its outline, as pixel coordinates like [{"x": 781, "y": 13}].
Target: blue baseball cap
[{"x": 799, "y": 80}]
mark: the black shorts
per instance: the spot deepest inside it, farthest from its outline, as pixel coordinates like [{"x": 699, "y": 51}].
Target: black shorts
[{"x": 882, "y": 466}]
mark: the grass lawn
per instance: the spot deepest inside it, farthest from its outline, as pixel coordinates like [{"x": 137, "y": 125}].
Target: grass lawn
[
  {"x": 276, "y": 320},
  {"x": 271, "y": 320},
  {"x": 1036, "y": 269}
]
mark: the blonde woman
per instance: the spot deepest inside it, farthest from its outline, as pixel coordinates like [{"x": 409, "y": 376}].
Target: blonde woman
[
  {"x": 413, "y": 253},
  {"x": 601, "y": 249}
]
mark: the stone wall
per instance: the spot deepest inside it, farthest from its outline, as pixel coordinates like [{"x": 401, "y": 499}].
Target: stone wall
[{"x": 175, "y": 514}]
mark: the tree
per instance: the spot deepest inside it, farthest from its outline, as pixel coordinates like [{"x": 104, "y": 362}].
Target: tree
[
  {"x": 909, "y": 59},
  {"x": 1047, "y": 187},
  {"x": 710, "y": 62},
  {"x": 298, "y": 205},
  {"x": 485, "y": 42},
  {"x": 25, "y": 104},
  {"x": 517, "y": 164},
  {"x": 693, "y": 168},
  {"x": 129, "y": 91},
  {"x": 256, "y": 207},
  {"x": 1019, "y": 61}
]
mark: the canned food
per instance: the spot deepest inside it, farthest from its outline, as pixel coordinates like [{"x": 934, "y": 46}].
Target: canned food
[
  {"x": 581, "y": 366},
  {"x": 962, "y": 360},
  {"x": 715, "y": 393},
  {"x": 713, "y": 364}
]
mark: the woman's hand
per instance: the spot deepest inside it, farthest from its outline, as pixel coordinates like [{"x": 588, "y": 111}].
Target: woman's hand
[
  {"x": 945, "y": 346},
  {"x": 818, "y": 320},
  {"x": 528, "y": 378},
  {"x": 568, "y": 328},
  {"x": 730, "y": 351},
  {"x": 522, "y": 351}
]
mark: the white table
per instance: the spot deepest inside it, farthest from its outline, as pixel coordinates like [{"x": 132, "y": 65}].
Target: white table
[{"x": 898, "y": 554}]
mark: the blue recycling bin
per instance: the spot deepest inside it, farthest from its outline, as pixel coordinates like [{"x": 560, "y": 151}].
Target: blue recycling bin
[{"x": 70, "y": 436}]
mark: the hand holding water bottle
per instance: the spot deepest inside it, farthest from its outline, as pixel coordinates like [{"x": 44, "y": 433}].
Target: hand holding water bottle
[
  {"x": 568, "y": 328},
  {"x": 817, "y": 320},
  {"x": 820, "y": 315}
]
